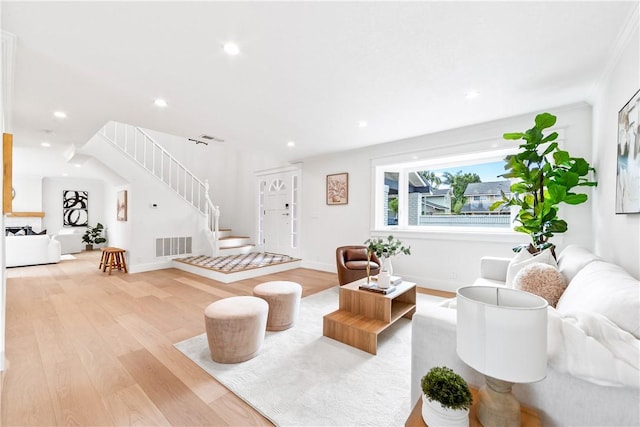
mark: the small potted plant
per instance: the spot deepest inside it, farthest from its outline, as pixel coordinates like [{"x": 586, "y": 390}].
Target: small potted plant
[
  {"x": 385, "y": 249},
  {"x": 93, "y": 235},
  {"x": 446, "y": 398}
]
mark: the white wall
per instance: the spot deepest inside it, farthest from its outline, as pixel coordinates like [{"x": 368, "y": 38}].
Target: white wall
[
  {"x": 28, "y": 190},
  {"x": 52, "y": 188},
  {"x": 617, "y": 237},
  {"x": 439, "y": 260}
]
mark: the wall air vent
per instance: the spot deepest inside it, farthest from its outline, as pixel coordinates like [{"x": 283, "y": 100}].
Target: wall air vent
[
  {"x": 211, "y": 138},
  {"x": 168, "y": 246}
]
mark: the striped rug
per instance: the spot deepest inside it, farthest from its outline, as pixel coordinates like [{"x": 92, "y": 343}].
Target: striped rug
[{"x": 236, "y": 263}]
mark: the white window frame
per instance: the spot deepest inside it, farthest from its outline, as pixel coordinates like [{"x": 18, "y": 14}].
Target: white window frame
[{"x": 462, "y": 154}]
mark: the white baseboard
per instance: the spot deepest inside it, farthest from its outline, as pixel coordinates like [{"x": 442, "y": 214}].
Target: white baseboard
[
  {"x": 158, "y": 265},
  {"x": 329, "y": 268}
]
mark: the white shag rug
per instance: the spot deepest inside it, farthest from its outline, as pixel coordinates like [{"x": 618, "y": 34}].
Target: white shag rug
[{"x": 301, "y": 378}]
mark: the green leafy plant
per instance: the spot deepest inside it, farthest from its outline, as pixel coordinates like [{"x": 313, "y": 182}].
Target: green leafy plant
[
  {"x": 93, "y": 235},
  {"x": 385, "y": 248},
  {"x": 546, "y": 176},
  {"x": 445, "y": 386}
]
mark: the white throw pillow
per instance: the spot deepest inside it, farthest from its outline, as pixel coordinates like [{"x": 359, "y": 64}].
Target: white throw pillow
[
  {"x": 605, "y": 288},
  {"x": 573, "y": 259},
  {"x": 524, "y": 258}
]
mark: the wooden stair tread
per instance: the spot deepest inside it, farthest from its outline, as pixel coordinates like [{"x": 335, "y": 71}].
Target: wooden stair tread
[{"x": 234, "y": 237}]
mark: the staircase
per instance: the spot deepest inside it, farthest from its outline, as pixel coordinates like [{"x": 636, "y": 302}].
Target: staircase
[
  {"x": 229, "y": 244},
  {"x": 134, "y": 143}
]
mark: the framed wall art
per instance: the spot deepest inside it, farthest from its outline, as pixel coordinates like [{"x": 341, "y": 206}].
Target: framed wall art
[
  {"x": 338, "y": 189},
  {"x": 75, "y": 208},
  {"x": 628, "y": 167},
  {"x": 121, "y": 205}
]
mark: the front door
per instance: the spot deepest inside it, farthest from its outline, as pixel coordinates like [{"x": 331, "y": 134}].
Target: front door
[{"x": 279, "y": 210}]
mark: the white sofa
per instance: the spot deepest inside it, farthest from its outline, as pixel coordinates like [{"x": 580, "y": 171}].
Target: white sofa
[
  {"x": 31, "y": 250},
  {"x": 70, "y": 240},
  {"x": 593, "y": 376}
]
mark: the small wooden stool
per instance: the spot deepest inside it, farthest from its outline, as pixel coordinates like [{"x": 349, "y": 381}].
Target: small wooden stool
[{"x": 113, "y": 258}]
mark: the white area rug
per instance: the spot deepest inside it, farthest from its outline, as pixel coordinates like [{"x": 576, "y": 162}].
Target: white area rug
[{"x": 301, "y": 378}]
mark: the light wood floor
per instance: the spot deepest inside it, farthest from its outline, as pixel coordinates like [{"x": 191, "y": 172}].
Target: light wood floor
[{"x": 84, "y": 348}]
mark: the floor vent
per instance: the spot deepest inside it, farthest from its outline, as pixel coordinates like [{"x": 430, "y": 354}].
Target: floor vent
[{"x": 167, "y": 246}]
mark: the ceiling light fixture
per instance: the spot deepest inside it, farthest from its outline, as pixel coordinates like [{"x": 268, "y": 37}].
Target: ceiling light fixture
[
  {"x": 291, "y": 144},
  {"x": 362, "y": 124},
  {"x": 65, "y": 174},
  {"x": 60, "y": 114},
  {"x": 78, "y": 165},
  {"x": 472, "y": 94},
  {"x": 160, "y": 103},
  {"x": 45, "y": 144},
  {"x": 231, "y": 48}
]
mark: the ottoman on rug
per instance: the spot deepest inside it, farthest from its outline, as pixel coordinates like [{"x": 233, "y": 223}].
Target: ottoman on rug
[
  {"x": 235, "y": 328},
  {"x": 284, "y": 302}
]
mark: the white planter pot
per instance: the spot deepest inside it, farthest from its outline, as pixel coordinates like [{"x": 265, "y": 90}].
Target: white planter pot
[{"x": 434, "y": 415}]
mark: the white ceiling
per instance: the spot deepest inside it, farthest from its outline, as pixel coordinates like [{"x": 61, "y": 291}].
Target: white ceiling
[{"x": 307, "y": 72}]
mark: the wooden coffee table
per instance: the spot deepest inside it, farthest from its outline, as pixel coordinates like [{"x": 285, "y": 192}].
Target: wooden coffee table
[{"x": 362, "y": 314}]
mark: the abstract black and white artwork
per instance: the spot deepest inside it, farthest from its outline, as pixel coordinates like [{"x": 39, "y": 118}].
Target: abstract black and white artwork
[
  {"x": 75, "y": 208},
  {"x": 628, "y": 171}
]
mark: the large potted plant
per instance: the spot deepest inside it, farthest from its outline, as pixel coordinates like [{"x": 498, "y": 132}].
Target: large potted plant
[
  {"x": 545, "y": 176},
  {"x": 446, "y": 398},
  {"x": 93, "y": 236}
]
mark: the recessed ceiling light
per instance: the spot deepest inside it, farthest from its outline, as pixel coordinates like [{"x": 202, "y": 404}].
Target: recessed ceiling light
[
  {"x": 60, "y": 114},
  {"x": 160, "y": 103},
  {"x": 65, "y": 174},
  {"x": 78, "y": 165},
  {"x": 414, "y": 158},
  {"x": 45, "y": 144},
  {"x": 363, "y": 124},
  {"x": 472, "y": 94},
  {"x": 291, "y": 144},
  {"x": 231, "y": 48}
]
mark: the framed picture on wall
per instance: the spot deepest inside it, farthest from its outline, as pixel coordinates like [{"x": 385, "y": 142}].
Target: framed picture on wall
[
  {"x": 121, "y": 206},
  {"x": 628, "y": 167},
  {"x": 75, "y": 208},
  {"x": 338, "y": 189}
]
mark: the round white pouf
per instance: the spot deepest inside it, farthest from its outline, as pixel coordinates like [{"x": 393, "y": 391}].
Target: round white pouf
[
  {"x": 284, "y": 303},
  {"x": 235, "y": 328}
]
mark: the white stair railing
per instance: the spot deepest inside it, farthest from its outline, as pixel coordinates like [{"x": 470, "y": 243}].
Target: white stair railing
[{"x": 136, "y": 144}]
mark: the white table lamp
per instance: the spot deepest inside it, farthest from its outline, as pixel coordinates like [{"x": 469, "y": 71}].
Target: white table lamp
[{"x": 501, "y": 333}]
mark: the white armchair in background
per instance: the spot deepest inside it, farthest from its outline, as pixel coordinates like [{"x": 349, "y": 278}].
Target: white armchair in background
[{"x": 70, "y": 240}]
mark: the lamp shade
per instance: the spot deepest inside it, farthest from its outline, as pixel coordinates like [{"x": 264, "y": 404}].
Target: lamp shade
[{"x": 502, "y": 333}]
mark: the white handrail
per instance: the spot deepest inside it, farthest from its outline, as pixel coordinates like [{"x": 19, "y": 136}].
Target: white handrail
[{"x": 166, "y": 174}]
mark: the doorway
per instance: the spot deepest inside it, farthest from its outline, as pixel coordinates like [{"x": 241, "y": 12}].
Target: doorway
[{"x": 279, "y": 216}]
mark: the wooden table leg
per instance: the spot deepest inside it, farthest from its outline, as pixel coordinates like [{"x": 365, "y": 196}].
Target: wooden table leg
[{"x": 124, "y": 263}]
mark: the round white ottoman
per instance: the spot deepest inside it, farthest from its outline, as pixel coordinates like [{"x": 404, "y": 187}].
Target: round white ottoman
[
  {"x": 284, "y": 302},
  {"x": 235, "y": 328}
]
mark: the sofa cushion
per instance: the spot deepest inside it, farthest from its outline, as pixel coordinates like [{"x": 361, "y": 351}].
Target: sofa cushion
[
  {"x": 541, "y": 279},
  {"x": 607, "y": 289},
  {"x": 359, "y": 254},
  {"x": 524, "y": 258},
  {"x": 573, "y": 259},
  {"x": 360, "y": 265}
]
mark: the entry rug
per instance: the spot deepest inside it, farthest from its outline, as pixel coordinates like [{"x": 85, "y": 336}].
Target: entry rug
[
  {"x": 236, "y": 263},
  {"x": 301, "y": 378}
]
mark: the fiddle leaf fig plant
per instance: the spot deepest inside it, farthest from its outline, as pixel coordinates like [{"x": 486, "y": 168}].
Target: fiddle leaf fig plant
[{"x": 545, "y": 177}]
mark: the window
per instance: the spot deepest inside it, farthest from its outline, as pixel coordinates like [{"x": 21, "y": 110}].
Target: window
[{"x": 451, "y": 192}]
